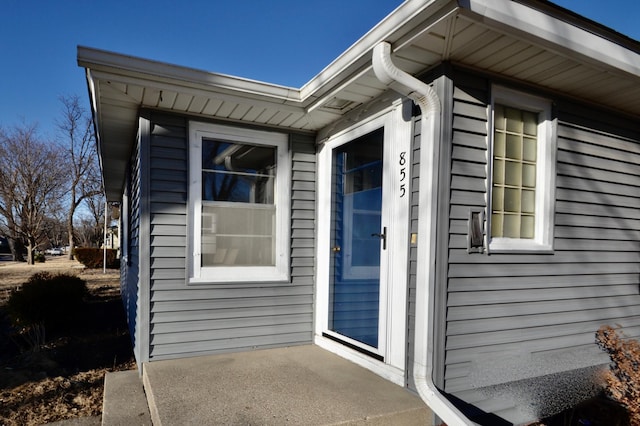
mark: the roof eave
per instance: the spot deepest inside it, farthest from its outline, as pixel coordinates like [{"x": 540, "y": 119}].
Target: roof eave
[
  {"x": 560, "y": 32},
  {"x": 552, "y": 28},
  {"x": 131, "y": 66}
]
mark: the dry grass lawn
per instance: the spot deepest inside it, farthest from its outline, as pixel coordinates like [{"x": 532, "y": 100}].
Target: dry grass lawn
[
  {"x": 13, "y": 274},
  {"x": 63, "y": 378}
]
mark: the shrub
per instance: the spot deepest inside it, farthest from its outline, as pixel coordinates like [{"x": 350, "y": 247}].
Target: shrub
[
  {"x": 47, "y": 299},
  {"x": 623, "y": 378},
  {"x": 93, "y": 257},
  {"x": 39, "y": 257}
]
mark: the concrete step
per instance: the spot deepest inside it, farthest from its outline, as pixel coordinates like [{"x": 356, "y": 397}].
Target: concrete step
[{"x": 124, "y": 403}]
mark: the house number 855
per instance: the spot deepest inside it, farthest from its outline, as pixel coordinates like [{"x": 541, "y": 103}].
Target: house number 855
[{"x": 403, "y": 175}]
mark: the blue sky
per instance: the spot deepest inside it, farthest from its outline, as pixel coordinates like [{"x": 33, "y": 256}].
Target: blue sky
[{"x": 279, "y": 41}]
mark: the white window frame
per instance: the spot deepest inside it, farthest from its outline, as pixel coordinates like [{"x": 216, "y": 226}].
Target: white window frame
[
  {"x": 545, "y": 172},
  {"x": 238, "y": 274}
]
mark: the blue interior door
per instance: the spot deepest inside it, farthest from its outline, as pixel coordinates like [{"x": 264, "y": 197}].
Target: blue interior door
[{"x": 357, "y": 237}]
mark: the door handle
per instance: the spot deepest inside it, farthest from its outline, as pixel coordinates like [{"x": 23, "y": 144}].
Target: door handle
[{"x": 383, "y": 236}]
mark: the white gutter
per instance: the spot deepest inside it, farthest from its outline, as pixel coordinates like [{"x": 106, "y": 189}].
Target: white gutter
[
  {"x": 135, "y": 70},
  {"x": 429, "y": 103}
]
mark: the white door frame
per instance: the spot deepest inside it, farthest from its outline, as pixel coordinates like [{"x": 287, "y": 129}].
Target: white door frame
[{"x": 394, "y": 260}]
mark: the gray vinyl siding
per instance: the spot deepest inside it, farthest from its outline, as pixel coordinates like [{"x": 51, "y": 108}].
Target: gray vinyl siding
[
  {"x": 303, "y": 213},
  {"x": 129, "y": 266},
  {"x": 194, "y": 319},
  {"x": 413, "y": 254},
  {"x": 532, "y": 310}
]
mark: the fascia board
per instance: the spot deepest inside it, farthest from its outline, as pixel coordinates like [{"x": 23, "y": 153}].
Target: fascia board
[
  {"x": 513, "y": 17},
  {"x": 93, "y": 98},
  {"x": 97, "y": 59}
]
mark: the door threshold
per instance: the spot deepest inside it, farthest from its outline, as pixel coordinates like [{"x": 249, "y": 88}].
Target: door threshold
[{"x": 354, "y": 347}]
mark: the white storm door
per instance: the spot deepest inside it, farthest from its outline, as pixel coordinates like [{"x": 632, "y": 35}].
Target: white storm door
[{"x": 363, "y": 238}]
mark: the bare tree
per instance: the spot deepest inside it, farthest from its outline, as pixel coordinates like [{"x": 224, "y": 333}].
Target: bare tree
[
  {"x": 76, "y": 132},
  {"x": 90, "y": 233},
  {"x": 8, "y": 225},
  {"x": 31, "y": 179},
  {"x": 95, "y": 206},
  {"x": 55, "y": 229}
]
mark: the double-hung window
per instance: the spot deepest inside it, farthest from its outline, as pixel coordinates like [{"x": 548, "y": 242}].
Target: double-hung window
[
  {"x": 238, "y": 204},
  {"x": 522, "y": 173}
]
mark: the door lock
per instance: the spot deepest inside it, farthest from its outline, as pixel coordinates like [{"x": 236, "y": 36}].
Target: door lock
[{"x": 382, "y": 236}]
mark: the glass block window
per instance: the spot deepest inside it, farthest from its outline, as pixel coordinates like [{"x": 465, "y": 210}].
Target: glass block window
[
  {"x": 514, "y": 173},
  {"x": 522, "y": 174}
]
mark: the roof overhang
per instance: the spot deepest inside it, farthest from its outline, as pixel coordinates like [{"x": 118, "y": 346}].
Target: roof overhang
[{"x": 529, "y": 41}]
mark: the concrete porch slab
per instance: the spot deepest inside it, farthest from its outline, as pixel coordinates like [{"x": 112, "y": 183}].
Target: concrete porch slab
[{"x": 303, "y": 385}]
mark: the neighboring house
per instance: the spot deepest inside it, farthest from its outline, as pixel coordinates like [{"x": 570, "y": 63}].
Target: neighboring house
[
  {"x": 452, "y": 203},
  {"x": 112, "y": 240}
]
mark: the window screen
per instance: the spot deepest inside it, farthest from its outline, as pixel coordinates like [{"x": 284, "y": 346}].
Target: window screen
[{"x": 238, "y": 204}]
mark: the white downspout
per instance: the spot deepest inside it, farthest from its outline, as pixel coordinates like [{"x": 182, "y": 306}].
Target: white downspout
[{"x": 429, "y": 103}]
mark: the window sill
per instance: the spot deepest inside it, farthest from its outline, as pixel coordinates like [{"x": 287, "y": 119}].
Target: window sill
[
  {"x": 240, "y": 275},
  {"x": 514, "y": 245}
]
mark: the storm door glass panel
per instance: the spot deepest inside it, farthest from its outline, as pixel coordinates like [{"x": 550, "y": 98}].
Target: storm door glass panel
[
  {"x": 356, "y": 223},
  {"x": 238, "y": 208}
]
